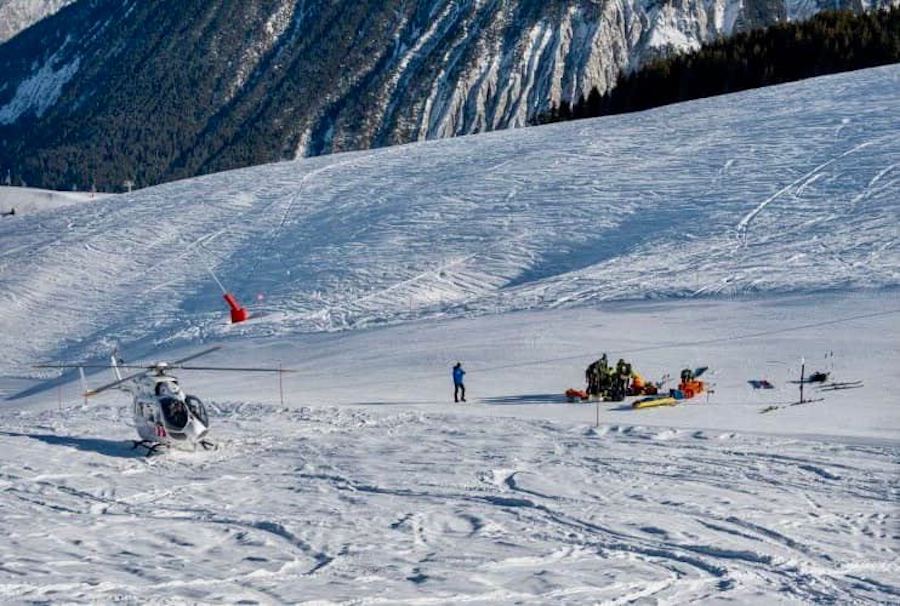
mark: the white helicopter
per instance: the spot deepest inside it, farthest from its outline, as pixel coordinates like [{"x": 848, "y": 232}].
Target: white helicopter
[{"x": 164, "y": 416}]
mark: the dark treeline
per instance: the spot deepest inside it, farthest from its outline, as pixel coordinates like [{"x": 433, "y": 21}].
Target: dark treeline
[{"x": 829, "y": 43}]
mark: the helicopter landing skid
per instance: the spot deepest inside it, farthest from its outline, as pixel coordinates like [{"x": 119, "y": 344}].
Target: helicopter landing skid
[
  {"x": 151, "y": 447},
  {"x": 207, "y": 445}
]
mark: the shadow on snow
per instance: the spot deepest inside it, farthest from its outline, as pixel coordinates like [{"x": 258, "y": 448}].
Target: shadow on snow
[
  {"x": 109, "y": 448},
  {"x": 542, "y": 398}
]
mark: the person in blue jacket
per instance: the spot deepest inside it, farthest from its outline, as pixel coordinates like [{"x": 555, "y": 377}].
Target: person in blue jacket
[{"x": 458, "y": 388}]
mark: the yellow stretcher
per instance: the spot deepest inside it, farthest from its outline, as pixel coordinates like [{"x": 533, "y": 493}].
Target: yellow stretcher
[{"x": 652, "y": 401}]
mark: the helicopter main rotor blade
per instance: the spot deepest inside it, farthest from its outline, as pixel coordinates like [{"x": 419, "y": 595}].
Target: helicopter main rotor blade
[
  {"x": 144, "y": 366},
  {"x": 131, "y": 377},
  {"x": 233, "y": 368},
  {"x": 196, "y": 355},
  {"x": 92, "y": 366}
]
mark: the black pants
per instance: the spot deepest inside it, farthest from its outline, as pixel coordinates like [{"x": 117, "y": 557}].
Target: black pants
[{"x": 459, "y": 389}]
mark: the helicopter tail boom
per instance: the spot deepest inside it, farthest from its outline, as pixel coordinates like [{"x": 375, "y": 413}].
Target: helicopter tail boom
[
  {"x": 115, "y": 365},
  {"x": 84, "y": 385}
]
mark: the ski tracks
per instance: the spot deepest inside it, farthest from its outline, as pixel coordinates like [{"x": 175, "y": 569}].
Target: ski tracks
[{"x": 799, "y": 184}]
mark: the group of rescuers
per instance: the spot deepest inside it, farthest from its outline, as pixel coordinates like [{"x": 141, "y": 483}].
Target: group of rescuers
[
  {"x": 603, "y": 381},
  {"x": 613, "y": 383}
]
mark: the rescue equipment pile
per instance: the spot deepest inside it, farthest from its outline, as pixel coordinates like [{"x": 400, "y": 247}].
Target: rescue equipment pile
[{"x": 614, "y": 384}]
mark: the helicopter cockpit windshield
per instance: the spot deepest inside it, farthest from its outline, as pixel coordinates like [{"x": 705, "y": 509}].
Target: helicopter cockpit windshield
[{"x": 174, "y": 412}]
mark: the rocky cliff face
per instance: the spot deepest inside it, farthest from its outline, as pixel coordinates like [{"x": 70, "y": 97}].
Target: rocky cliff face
[{"x": 109, "y": 90}]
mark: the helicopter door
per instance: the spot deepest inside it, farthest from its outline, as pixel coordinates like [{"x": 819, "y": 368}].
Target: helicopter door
[
  {"x": 145, "y": 411},
  {"x": 197, "y": 409}
]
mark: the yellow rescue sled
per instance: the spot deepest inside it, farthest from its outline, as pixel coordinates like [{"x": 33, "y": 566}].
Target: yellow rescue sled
[{"x": 654, "y": 401}]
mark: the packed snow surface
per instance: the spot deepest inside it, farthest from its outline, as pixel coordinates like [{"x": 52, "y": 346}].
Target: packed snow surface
[
  {"x": 340, "y": 505},
  {"x": 27, "y": 200},
  {"x": 752, "y": 234}
]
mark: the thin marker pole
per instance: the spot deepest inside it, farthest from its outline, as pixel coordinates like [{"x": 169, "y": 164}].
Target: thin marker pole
[
  {"x": 209, "y": 269},
  {"x": 280, "y": 383},
  {"x": 802, "y": 375}
]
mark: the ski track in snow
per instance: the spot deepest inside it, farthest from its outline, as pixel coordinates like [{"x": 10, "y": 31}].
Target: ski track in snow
[{"x": 802, "y": 182}]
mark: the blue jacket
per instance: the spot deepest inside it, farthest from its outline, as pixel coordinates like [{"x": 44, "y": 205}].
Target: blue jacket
[{"x": 458, "y": 373}]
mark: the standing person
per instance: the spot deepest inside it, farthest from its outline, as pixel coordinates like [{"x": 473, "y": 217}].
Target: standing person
[
  {"x": 619, "y": 381},
  {"x": 604, "y": 377},
  {"x": 591, "y": 376},
  {"x": 459, "y": 389}
]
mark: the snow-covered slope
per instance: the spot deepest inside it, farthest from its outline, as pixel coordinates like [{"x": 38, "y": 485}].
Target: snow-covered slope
[
  {"x": 29, "y": 199},
  {"x": 342, "y": 506},
  {"x": 744, "y": 233},
  {"x": 788, "y": 189}
]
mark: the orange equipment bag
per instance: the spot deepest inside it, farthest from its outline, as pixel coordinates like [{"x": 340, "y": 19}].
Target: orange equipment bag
[
  {"x": 691, "y": 388},
  {"x": 576, "y": 394}
]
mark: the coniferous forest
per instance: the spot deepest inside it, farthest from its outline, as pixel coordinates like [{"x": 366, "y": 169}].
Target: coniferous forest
[
  {"x": 830, "y": 42},
  {"x": 160, "y": 93}
]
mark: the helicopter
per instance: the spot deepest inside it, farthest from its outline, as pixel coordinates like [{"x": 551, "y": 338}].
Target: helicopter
[{"x": 164, "y": 415}]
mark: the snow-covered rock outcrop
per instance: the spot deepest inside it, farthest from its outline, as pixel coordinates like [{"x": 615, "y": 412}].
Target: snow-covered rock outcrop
[{"x": 17, "y": 15}]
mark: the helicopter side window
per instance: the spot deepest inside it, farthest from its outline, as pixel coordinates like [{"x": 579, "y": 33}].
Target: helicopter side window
[
  {"x": 197, "y": 409},
  {"x": 174, "y": 412}
]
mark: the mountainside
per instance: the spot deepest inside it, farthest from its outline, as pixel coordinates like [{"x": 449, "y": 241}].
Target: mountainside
[
  {"x": 828, "y": 43},
  {"x": 17, "y": 15},
  {"x": 113, "y": 90},
  {"x": 789, "y": 189}
]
